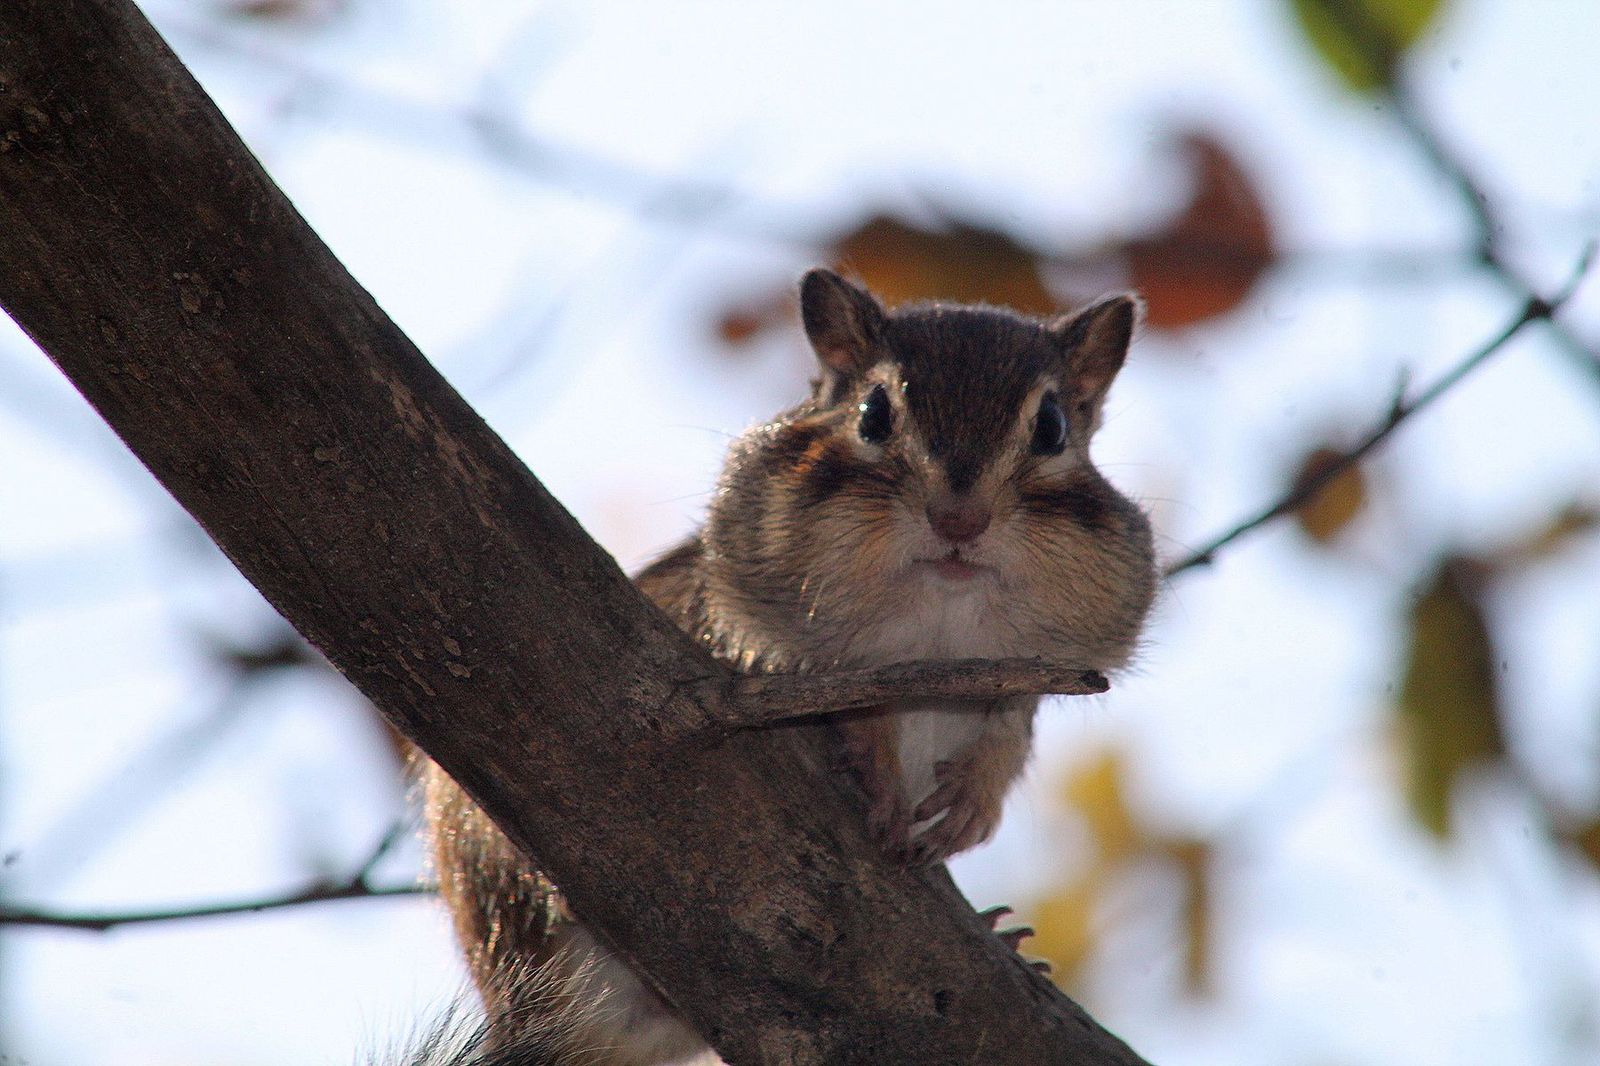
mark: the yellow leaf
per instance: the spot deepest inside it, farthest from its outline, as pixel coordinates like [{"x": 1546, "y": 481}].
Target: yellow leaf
[
  {"x": 1194, "y": 858},
  {"x": 1095, "y": 791},
  {"x": 1063, "y": 929},
  {"x": 1336, "y": 503}
]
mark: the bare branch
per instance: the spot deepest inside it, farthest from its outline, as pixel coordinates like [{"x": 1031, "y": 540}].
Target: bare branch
[
  {"x": 100, "y": 923},
  {"x": 698, "y": 202},
  {"x": 1374, "y": 39},
  {"x": 397, "y": 831},
  {"x": 1535, "y": 310}
]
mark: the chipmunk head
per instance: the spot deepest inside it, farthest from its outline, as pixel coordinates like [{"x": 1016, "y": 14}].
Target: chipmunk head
[
  {"x": 968, "y": 409},
  {"x": 943, "y": 459}
]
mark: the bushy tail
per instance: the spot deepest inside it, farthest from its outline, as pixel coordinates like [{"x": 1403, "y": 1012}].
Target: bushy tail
[
  {"x": 549, "y": 1028},
  {"x": 569, "y": 1011}
]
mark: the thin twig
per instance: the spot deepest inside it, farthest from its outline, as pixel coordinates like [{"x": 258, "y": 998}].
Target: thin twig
[
  {"x": 99, "y": 923},
  {"x": 1374, "y": 39},
  {"x": 696, "y": 202},
  {"x": 1535, "y": 309},
  {"x": 678, "y": 200},
  {"x": 750, "y": 701},
  {"x": 398, "y": 830}
]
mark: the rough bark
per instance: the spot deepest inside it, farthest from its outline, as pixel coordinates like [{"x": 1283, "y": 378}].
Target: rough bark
[{"x": 149, "y": 255}]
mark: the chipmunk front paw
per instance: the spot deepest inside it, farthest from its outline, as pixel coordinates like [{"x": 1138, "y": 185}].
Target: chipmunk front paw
[
  {"x": 967, "y": 806},
  {"x": 889, "y": 821}
]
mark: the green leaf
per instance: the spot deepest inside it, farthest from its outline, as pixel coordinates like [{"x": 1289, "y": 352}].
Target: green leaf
[
  {"x": 1449, "y": 710},
  {"x": 1364, "y": 40}
]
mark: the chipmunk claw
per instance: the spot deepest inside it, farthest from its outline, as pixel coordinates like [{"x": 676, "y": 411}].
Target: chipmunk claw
[
  {"x": 1013, "y": 937},
  {"x": 991, "y": 915},
  {"x": 889, "y": 821}
]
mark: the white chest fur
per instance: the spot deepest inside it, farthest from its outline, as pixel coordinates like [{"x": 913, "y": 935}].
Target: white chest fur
[{"x": 941, "y": 621}]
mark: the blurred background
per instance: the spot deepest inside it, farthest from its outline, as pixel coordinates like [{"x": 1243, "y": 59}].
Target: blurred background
[{"x": 1345, "y": 810}]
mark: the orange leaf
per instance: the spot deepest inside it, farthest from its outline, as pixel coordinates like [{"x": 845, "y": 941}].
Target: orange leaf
[
  {"x": 901, "y": 261},
  {"x": 743, "y": 322},
  {"x": 1207, "y": 258}
]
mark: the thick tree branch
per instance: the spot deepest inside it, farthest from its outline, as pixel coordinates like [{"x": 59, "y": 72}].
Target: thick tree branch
[
  {"x": 146, "y": 251},
  {"x": 1536, "y": 309}
]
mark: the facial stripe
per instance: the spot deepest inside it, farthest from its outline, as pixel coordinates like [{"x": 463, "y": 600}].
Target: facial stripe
[
  {"x": 830, "y": 466},
  {"x": 1086, "y": 503}
]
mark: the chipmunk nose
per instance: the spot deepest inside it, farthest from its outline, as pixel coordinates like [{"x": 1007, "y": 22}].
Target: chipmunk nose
[{"x": 958, "y": 519}]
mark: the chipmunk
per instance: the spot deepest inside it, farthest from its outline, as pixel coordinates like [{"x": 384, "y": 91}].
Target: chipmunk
[{"x": 933, "y": 498}]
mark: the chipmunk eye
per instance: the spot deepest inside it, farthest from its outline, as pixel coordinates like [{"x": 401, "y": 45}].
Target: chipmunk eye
[
  {"x": 1049, "y": 427},
  {"x": 877, "y": 417}
]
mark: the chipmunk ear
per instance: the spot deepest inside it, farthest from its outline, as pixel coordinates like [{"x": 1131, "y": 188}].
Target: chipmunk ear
[
  {"x": 1094, "y": 343},
  {"x": 844, "y": 323}
]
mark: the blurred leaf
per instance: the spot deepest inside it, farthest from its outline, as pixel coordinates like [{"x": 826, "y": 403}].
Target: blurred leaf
[
  {"x": 1207, "y": 258},
  {"x": 738, "y": 326},
  {"x": 1572, "y": 521},
  {"x": 744, "y": 322},
  {"x": 284, "y": 650},
  {"x": 1063, "y": 929},
  {"x": 901, "y": 262},
  {"x": 1362, "y": 41},
  {"x": 1586, "y": 839},
  {"x": 298, "y": 11},
  {"x": 1449, "y": 710},
  {"x": 1336, "y": 503},
  {"x": 1095, "y": 791},
  {"x": 1194, "y": 858}
]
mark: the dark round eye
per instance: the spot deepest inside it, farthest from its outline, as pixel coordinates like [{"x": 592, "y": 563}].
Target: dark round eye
[
  {"x": 1049, "y": 427},
  {"x": 877, "y": 417}
]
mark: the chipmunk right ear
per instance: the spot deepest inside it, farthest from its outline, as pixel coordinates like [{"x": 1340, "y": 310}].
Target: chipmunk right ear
[
  {"x": 1095, "y": 342},
  {"x": 843, "y": 321}
]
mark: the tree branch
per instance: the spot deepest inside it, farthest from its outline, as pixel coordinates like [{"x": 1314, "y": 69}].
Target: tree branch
[
  {"x": 1302, "y": 492},
  {"x": 1370, "y": 36},
  {"x": 690, "y": 200},
  {"x": 100, "y": 923},
  {"x": 756, "y": 700},
  {"x": 146, "y": 251}
]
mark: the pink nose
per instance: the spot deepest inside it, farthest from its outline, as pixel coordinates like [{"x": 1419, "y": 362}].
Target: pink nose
[{"x": 958, "y": 520}]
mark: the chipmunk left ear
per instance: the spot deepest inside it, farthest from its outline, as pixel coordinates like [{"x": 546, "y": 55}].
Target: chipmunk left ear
[
  {"x": 1094, "y": 343},
  {"x": 844, "y": 323}
]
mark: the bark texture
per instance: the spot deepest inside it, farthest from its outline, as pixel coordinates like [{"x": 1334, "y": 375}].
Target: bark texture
[{"x": 149, "y": 255}]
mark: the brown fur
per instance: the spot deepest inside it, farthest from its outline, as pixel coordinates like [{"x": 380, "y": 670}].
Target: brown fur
[{"x": 818, "y": 553}]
